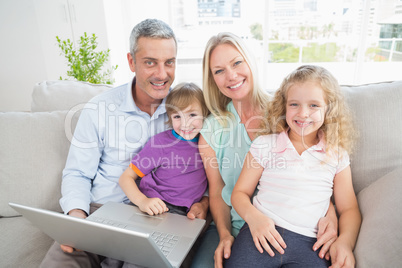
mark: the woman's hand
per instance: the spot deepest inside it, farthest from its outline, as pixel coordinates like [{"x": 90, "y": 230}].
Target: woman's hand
[
  {"x": 327, "y": 234},
  {"x": 223, "y": 250}
]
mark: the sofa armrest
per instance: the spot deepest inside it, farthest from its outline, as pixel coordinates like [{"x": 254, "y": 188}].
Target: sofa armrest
[{"x": 380, "y": 237}]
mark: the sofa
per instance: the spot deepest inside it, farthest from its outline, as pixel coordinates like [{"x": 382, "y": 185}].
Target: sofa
[{"x": 34, "y": 147}]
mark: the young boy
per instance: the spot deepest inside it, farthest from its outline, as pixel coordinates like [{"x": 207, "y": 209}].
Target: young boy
[{"x": 173, "y": 176}]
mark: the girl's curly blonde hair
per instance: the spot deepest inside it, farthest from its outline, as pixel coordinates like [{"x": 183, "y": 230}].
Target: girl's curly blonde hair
[{"x": 337, "y": 127}]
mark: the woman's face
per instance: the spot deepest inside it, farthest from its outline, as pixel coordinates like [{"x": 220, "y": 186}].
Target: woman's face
[{"x": 231, "y": 73}]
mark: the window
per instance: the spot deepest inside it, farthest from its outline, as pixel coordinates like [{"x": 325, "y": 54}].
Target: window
[
  {"x": 359, "y": 41},
  {"x": 343, "y": 36}
]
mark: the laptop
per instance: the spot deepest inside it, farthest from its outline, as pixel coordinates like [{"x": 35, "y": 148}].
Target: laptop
[{"x": 122, "y": 232}]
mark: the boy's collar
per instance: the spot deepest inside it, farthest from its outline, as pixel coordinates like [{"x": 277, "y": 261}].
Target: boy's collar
[{"x": 195, "y": 139}]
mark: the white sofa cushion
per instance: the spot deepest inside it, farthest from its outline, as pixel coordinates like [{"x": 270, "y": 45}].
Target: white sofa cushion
[
  {"x": 33, "y": 153},
  {"x": 63, "y": 95},
  {"x": 379, "y": 241},
  {"x": 377, "y": 109},
  {"x": 23, "y": 244}
]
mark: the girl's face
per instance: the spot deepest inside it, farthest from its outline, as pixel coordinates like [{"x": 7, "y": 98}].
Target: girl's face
[
  {"x": 230, "y": 71},
  {"x": 305, "y": 111},
  {"x": 188, "y": 122}
]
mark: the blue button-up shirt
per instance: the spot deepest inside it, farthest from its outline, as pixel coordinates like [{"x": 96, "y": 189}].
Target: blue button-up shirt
[{"x": 110, "y": 130}]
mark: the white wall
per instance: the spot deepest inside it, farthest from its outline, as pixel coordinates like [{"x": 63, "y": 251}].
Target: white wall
[
  {"x": 29, "y": 52},
  {"x": 28, "y": 49},
  {"x": 20, "y": 53}
]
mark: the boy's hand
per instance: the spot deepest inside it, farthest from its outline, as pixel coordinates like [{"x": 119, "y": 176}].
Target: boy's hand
[{"x": 152, "y": 206}]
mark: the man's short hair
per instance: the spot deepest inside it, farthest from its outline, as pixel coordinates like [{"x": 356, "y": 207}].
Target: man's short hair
[{"x": 150, "y": 28}]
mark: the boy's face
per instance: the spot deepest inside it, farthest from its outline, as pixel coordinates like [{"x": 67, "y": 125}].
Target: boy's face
[{"x": 188, "y": 122}]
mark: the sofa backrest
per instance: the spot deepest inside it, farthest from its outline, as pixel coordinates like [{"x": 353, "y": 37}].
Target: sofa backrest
[
  {"x": 34, "y": 146},
  {"x": 33, "y": 152},
  {"x": 63, "y": 95},
  {"x": 377, "y": 110}
]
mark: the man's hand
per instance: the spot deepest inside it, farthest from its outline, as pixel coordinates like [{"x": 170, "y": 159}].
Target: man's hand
[
  {"x": 78, "y": 213},
  {"x": 199, "y": 210}
]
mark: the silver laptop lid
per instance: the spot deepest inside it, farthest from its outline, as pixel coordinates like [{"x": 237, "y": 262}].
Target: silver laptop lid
[
  {"x": 132, "y": 218},
  {"x": 123, "y": 244}
]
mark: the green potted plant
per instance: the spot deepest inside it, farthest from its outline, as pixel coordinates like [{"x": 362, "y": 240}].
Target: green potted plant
[{"x": 84, "y": 62}]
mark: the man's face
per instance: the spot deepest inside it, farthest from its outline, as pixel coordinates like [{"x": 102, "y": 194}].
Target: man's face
[{"x": 154, "y": 66}]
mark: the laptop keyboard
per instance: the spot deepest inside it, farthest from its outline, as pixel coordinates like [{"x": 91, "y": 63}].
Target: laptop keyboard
[
  {"x": 108, "y": 222},
  {"x": 165, "y": 241}
]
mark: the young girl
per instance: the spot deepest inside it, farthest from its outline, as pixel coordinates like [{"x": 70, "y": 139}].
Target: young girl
[
  {"x": 299, "y": 162},
  {"x": 173, "y": 176}
]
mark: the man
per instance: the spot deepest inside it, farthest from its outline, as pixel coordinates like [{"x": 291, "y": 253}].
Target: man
[{"x": 112, "y": 127}]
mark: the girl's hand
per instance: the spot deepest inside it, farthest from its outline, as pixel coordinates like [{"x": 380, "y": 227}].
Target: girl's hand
[
  {"x": 341, "y": 255},
  {"x": 223, "y": 250},
  {"x": 263, "y": 231},
  {"x": 152, "y": 206}
]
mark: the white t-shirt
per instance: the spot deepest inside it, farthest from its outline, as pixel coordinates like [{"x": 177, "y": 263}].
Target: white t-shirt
[{"x": 295, "y": 190}]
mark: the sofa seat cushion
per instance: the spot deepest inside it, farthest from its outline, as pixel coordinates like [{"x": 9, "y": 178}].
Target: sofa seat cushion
[
  {"x": 380, "y": 237},
  {"x": 20, "y": 238},
  {"x": 33, "y": 152},
  {"x": 60, "y": 95},
  {"x": 377, "y": 110}
]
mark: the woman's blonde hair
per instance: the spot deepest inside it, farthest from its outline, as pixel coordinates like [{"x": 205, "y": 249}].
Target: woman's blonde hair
[
  {"x": 182, "y": 96},
  {"x": 337, "y": 127},
  {"x": 214, "y": 99}
]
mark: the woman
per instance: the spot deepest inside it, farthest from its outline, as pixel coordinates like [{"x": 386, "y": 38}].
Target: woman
[{"x": 236, "y": 103}]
